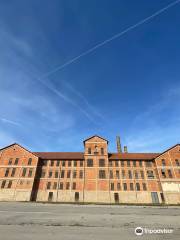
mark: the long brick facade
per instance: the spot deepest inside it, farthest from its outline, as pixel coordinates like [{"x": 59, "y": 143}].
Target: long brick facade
[{"x": 92, "y": 176}]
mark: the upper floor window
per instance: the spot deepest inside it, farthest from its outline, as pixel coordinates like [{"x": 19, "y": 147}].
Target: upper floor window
[
  {"x": 63, "y": 163},
  {"x": 30, "y": 161},
  {"x": 44, "y": 162},
  {"x": 148, "y": 164},
  {"x": 163, "y": 173},
  {"x": 75, "y": 163},
  {"x": 140, "y": 163},
  {"x": 136, "y": 174},
  {"x": 69, "y": 174},
  {"x": 61, "y": 185},
  {"x": 131, "y": 187},
  {"x": 117, "y": 174},
  {"x": 74, "y": 186},
  {"x": 69, "y": 163},
  {"x": 101, "y": 162},
  {"x": 24, "y": 172},
  {"x": 112, "y": 186},
  {"x": 3, "y": 184},
  {"x": 150, "y": 174},
  {"x": 118, "y": 186},
  {"x": 142, "y": 174},
  {"x": 144, "y": 186},
  {"x": 125, "y": 186},
  {"x": 7, "y": 172},
  {"x": 130, "y": 174},
  {"x": 52, "y": 163},
  {"x": 122, "y": 163},
  {"x": 62, "y": 174},
  {"x": 13, "y": 172},
  {"x": 89, "y": 162},
  {"x": 9, "y": 184},
  {"x": 170, "y": 173},
  {"x": 81, "y": 163},
  {"x": 67, "y": 185},
  {"x": 110, "y": 163},
  {"x": 10, "y": 161},
  {"x": 74, "y": 174},
  {"x": 134, "y": 163},
  {"x": 89, "y": 150},
  {"x": 102, "y": 151},
  {"x": 116, "y": 163},
  {"x": 57, "y": 163},
  {"x": 16, "y": 161},
  {"x": 55, "y": 185},
  {"x": 81, "y": 174},
  {"x": 111, "y": 174},
  {"x": 177, "y": 162},
  {"x": 102, "y": 174},
  {"x": 48, "y": 185},
  {"x": 56, "y": 174},
  {"x": 163, "y": 162},
  {"x": 128, "y": 163},
  {"x": 137, "y": 187},
  {"x": 50, "y": 174},
  {"x": 43, "y": 173}
]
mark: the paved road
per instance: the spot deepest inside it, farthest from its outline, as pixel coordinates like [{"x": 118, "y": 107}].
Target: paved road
[{"x": 29, "y": 221}]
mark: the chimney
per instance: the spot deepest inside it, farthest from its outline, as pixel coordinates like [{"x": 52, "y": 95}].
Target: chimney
[
  {"x": 125, "y": 149},
  {"x": 119, "y": 150}
]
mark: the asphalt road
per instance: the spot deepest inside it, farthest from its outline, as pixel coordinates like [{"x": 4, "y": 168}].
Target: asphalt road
[{"x": 85, "y": 222}]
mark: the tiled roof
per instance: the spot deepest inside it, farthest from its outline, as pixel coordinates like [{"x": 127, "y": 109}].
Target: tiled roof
[
  {"x": 80, "y": 155},
  {"x": 132, "y": 156},
  {"x": 60, "y": 155}
]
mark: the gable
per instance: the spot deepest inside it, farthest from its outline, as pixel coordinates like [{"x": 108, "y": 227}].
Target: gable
[{"x": 95, "y": 139}]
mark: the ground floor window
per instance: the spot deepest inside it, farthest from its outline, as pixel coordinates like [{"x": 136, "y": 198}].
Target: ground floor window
[
  {"x": 76, "y": 196},
  {"x": 154, "y": 197},
  {"x": 116, "y": 197},
  {"x": 50, "y": 196}
]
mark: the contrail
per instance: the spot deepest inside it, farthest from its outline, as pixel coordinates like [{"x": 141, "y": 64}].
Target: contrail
[{"x": 111, "y": 39}]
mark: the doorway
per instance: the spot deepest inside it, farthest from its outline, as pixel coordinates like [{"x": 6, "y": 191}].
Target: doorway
[
  {"x": 154, "y": 197},
  {"x": 116, "y": 197},
  {"x": 50, "y": 196},
  {"x": 76, "y": 196}
]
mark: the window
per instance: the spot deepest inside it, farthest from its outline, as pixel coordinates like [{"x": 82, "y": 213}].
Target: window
[
  {"x": 30, "y": 161},
  {"x": 10, "y": 161},
  {"x": 134, "y": 163},
  {"x": 112, "y": 186},
  {"x": 81, "y": 174},
  {"x": 149, "y": 164},
  {"x": 55, "y": 185},
  {"x": 50, "y": 174},
  {"x": 30, "y": 173},
  {"x": 74, "y": 186},
  {"x": 117, "y": 174},
  {"x": 61, "y": 185},
  {"x": 63, "y": 163},
  {"x": 56, "y": 174},
  {"x": 89, "y": 162},
  {"x": 110, "y": 174},
  {"x": 150, "y": 174},
  {"x": 76, "y": 197},
  {"x": 140, "y": 163},
  {"x": 49, "y": 185},
  {"x": 116, "y": 197},
  {"x": 75, "y": 163},
  {"x": 128, "y": 163},
  {"x": 122, "y": 163},
  {"x": 43, "y": 173},
  {"x": 52, "y": 163},
  {"x": 142, "y": 174},
  {"x": 177, "y": 163},
  {"x": 102, "y": 151},
  {"x": 57, "y": 163},
  {"x": 3, "y": 184},
  {"x": 16, "y": 161},
  {"x": 74, "y": 174},
  {"x": 137, "y": 187},
  {"x": 10, "y": 184},
  {"x": 68, "y": 174},
  {"x": 144, "y": 187},
  {"x": 170, "y": 173},
  {"x": 163, "y": 162},
  {"x": 125, "y": 186},
  {"x": 118, "y": 186},
  {"x": 130, "y": 174},
  {"x": 89, "y": 150},
  {"x": 123, "y": 173},
  {"x": 44, "y": 163},
  {"x": 110, "y": 163},
  {"x": 116, "y": 163},
  {"x": 69, "y": 163},
  {"x": 62, "y": 174},
  {"x": 13, "y": 172},
  {"x": 67, "y": 186},
  {"x": 81, "y": 163},
  {"x": 24, "y": 172},
  {"x": 163, "y": 173},
  {"x": 102, "y": 174},
  {"x": 101, "y": 162},
  {"x": 131, "y": 187},
  {"x": 7, "y": 172}
]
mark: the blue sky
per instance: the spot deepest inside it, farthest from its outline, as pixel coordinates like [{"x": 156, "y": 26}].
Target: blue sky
[{"x": 128, "y": 87}]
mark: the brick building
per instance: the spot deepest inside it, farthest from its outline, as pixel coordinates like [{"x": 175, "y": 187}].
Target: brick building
[{"x": 94, "y": 175}]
